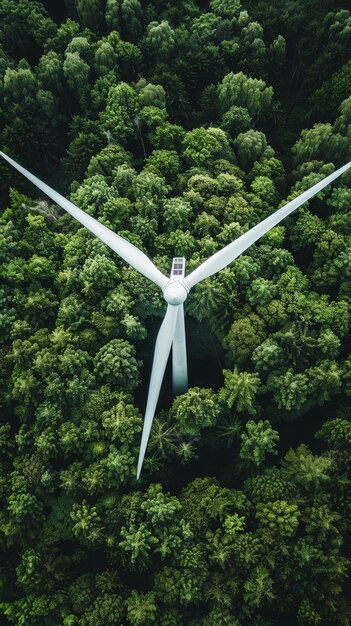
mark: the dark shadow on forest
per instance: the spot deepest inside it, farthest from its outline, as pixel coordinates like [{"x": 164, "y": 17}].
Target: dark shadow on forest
[{"x": 205, "y": 361}]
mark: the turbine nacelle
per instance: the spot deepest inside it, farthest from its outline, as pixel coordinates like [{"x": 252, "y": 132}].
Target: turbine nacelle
[{"x": 175, "y": 292}]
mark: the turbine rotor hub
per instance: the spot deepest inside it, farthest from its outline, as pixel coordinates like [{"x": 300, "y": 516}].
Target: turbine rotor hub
[{"x": 175, "y": 292}]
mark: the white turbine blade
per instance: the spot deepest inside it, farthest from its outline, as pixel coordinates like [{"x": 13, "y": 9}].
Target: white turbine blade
[
  {"x": 179, "y": 360},
  {"x": 162, "y": 349},
  {"x": 223, "y": 257},
  {"x": 124, "y": 249}
]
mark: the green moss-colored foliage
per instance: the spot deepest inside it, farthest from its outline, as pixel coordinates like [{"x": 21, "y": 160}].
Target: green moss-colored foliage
[
  {"x": 194, "y": 410},
  {"x": 258, "y": 440},
  {"x": 179, "y": 125}
]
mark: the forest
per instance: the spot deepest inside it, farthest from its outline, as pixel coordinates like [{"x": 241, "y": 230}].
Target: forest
[{"x": 179, "y": 125}]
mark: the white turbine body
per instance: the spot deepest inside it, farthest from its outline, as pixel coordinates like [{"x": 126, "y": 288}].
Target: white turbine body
[{"x": 176, "y": 288}]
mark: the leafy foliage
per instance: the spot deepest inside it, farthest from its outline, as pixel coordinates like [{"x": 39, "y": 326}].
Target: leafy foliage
[{"x": 179, "y": 126}]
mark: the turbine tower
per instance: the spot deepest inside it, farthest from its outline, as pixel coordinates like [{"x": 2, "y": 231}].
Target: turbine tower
[{"x": 175, "y": 288}]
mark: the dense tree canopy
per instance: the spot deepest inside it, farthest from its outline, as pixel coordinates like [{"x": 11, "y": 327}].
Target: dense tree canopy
[{"x": 179, "y": 126}]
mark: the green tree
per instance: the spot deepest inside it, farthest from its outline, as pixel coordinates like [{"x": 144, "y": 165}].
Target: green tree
[
  {"x": 320, "y": 142},
  {"x": 87, "y": 523},
  {"x": 112, "y": 14},
  {"x": 164, "y": 162},
  {"x": 176, "y": 214},
  {"x": 334, "y": 90},
  {"x": 119, "y": 116},
  {"x": 245, "y": 335},
  {"x": 141, "y": 608},
  {"x": 105, "y": 161},
  {"x": 306, "y": 231},
  {"x": 194, "y": 410},
  {"x": 49, "y": 72},
  {"x": 203, "y": 145},
  {"x": 124, "y": 15},
  {"x": 76, "y": 72},
  {"x": 258, "y": 440},
  {"x": 160, "y": 39},
  {"x": 258, "y": 588},
  {"x": 169, "y": 136},
  {"x": 105, "y": 58},
  {"x": 80, "y": 152},
  {"x": 269, "y": 486},
  {"x": 306, "y": 469},
  {"x": 240, "y": 90},
  {"x": 99, "y": 274},
  {"x": 90, "y": 13},
  {"x": 236, "y": 120},
  {"x": 81, "y": 46},
  {"x": 250, "y": 147},
  {"x": 116, "y": 363},
  {"x": 268, "y": 356},
  {"x": 279, "y": 517},
  {"x": 290, "y": 390},
  {"x": 240, "y": 391},
  {"x": 107, "y": 608},
  {"x": 324, "y": 380}
]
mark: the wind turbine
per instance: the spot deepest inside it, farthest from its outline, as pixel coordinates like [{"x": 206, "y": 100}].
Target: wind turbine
[{"x": 175, "y": 288}]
